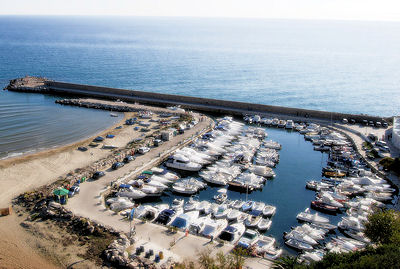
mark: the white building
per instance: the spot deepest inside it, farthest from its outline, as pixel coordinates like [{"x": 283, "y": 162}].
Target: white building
[{"x": 396, "y": 132}]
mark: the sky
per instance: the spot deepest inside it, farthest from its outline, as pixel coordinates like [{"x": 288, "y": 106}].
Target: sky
[{"x": 373, "y": 10}]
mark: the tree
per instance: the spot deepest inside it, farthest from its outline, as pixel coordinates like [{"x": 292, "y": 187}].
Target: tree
[{"x": 383, "y": 227}]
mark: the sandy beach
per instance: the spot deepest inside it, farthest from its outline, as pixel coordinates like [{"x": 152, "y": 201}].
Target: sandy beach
[{"x": 25, "y": 173}]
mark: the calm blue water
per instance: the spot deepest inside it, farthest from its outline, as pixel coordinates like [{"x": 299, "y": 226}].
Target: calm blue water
[
  {"x": 298, "y": 164},
  {"x": 325, "y": 65},
  {"x": 31, "y": 122}
]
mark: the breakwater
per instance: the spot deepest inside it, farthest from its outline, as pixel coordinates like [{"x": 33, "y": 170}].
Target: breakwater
[{"x": 188, "y": 102}]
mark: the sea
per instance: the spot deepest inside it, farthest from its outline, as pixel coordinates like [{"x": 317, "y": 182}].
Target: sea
[{"x": 340, "y": 66}]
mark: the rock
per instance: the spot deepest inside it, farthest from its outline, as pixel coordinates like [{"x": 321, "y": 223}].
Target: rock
[
  {"x": 26, "y": 225},
  {"x": 133, "y": 265},
  {"x": 55, "y": 205},
  {"x": 90, "y": 229}
]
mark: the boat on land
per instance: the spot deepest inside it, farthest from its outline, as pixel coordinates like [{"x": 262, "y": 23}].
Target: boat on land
[{"x": 232, "y": 233}]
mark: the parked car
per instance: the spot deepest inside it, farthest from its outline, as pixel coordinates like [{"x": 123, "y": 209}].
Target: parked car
[
  {"x": 143, "y": 150},
  {"x": 128, "y": 158},
  {"x": 117, "y": 165},
  {"x": 98, "y": 174},
  {"x": 73, "y": 190},
  {"x": 83, "y": 148},
  {"x": 157, "y": 142}
]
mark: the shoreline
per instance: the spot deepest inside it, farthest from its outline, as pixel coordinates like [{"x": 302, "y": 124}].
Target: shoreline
[{"x": 40, "y": 153}]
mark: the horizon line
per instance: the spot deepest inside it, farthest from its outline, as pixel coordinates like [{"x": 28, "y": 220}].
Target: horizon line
[{"x": 200, "y": 17}]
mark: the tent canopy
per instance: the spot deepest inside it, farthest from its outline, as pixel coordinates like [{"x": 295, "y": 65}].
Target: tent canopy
[{"x": 61, "y": 192}]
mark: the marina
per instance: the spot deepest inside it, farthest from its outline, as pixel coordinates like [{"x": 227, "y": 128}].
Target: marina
[
  {"x": 202, "y": 202},
  {"x": 243, "y": 182}
]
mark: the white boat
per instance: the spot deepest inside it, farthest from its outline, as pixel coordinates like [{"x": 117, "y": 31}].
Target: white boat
[
  {"x": 203, "y": 206},
  {"x": 312, "y": 256},
  {"x": 181, "y": 162},
  {"x": 253, "y": 219},
  {"x": 233, "y": 215},
  {"x": 185, "y": 189},
  {"x": 300, "y": 236},
  {"x": 263, "y": 171},
  {"x": 360, "y": 236},
  {"x": 237, "y": 204},
  {"x": 232, "y": 233},
  {"x": 313, "y": 232},
  {"x": 265, "y": 247},
  {"x": 215, "y": 178},
  {"x": 298, "y": 245},
  {"x": 150, "y": 191},
  {"x": 161, "y": 179},
  {"x": 131, "y": 193},
  {"x": 258, "y": 206},
  {"x": 289, "y": 124},
  {"x": 156, "y": 184},
  {"x": 214, "y": 227},
  {"x": 269, "y": 210},
  {"x": 222, "y": 211},
  {"x": 185, "y": 219},
  {"x": 190, "y": 205},
  {"x": 273, "y": 253},
  {"x": 309, "y": 217},
  {"x": 221, "y": 196},
  {"x": 264, "y": 224},
  {"x": 177, "y": 203},
  {"x": 198, "y": 224},
  {"x": 248, "y": 239},
  {"x": 352, "y": 223},
  {"x": 247, "y": 206},
  {"x": 121, "y": 205}
]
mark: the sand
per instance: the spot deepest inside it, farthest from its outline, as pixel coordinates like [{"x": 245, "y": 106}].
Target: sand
[{"x": 25, "y": 173}]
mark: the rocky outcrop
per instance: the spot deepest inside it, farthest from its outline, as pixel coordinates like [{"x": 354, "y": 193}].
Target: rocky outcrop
[{"x": 28, "y": 84}]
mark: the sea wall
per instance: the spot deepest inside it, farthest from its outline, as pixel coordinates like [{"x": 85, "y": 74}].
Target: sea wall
[
  {"x": 201, "y": 104},
  {"x": 195, "y": 103}
]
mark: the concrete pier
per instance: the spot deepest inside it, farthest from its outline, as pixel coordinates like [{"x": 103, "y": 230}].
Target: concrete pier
[{"x": 188, "y": 102}]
